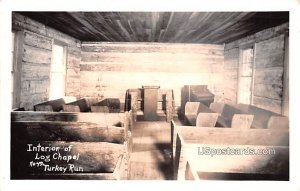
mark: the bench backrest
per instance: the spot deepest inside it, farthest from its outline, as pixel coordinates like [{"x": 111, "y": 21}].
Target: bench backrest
[
  {"x": 193, "y": 108},
  {"x": 264, "y": 118},
  {"x": 51, "y": 105},
  {"x": 80, "y": 105},
  {"x": 99, "y": 109},
  {"x": 206, "y": 119},
  {"x": 229, "y": 111}
]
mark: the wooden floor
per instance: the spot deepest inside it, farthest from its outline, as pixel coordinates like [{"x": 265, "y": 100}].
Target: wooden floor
[{"x": 151, "y": 156}]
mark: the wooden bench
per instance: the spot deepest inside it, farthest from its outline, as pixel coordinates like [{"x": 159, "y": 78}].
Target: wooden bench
[
  {"x": 232, "y": 117},
  {"x": 195, "y": 146},
  {"x": 53, "y": 105},
  {"x": 103, "y": 142},
  {"x": 192, "y": 110},
  {"x": 263, "y": 118}
]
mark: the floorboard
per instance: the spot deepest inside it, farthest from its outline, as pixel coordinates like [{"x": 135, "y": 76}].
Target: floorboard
[{"x": 151, "y": 156}]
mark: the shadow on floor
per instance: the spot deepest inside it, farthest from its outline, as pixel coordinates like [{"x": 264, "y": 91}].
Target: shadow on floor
[{"x": 165, "y": 167}]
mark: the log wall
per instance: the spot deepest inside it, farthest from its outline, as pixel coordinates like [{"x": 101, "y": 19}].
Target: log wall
[
  {"x": 35, "y": 43},
  {"x": 268, "y": 68},
  {"x": 122, "y": 66}
]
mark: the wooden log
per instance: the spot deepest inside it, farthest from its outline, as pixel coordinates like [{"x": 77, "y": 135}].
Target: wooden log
[
  {"x": 206, "y": 119},
  {"x": 88, "y": 157},
  {"x": 193, "y": 142},
  {"x": 242, "y": 121},
  {"x": 67, "y": 131}
]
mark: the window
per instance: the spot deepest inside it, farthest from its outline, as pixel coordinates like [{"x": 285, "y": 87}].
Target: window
[
  {"x": 245, "y": 78},
  {"x": 58, "y": 71}
]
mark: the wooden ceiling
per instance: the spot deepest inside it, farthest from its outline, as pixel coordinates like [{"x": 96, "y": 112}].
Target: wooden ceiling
[{"x": 171, "y": 27}]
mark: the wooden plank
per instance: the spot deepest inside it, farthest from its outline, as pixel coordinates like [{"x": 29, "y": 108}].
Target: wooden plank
[
  {"x": 271, "y": 91},
  {"x": 37, "y": 41},
  {"x": 67, "y": 131},
  {"x": 267, "y": 104},
  {"x": 259, "y": 36},
  {"x": 206, "y": 119},
  {"x": 36, "y": 55},
  {"x": 170, "y": 48},
  {"x": 36, "y": 71},
  {"x": 92, "y": 157},
  {"x": 274, "y": 59},
  {"x": 242, "y": 121}
]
